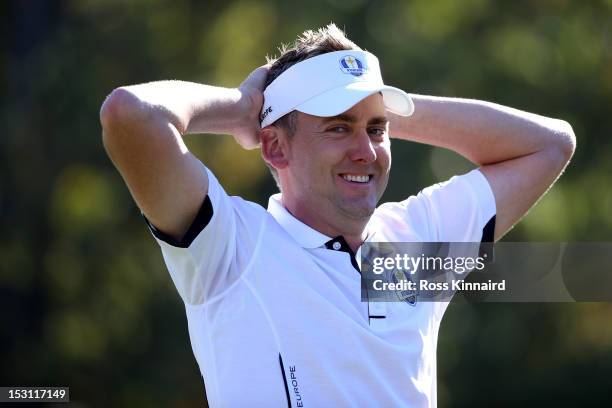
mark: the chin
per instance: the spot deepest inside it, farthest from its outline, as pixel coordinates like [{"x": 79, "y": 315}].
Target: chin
[{"x": 358, "y": 211}]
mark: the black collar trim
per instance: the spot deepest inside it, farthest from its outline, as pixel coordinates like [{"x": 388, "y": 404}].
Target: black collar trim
[{"x": 340, "y": 244}]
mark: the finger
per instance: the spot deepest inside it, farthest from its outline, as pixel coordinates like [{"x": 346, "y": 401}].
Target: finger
[
  {"x": 250, "y": 144},
  {"x": 257, "y": 78}
]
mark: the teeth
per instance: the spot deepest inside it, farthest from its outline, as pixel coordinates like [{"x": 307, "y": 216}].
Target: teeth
[{"x": 358, "y": 179}]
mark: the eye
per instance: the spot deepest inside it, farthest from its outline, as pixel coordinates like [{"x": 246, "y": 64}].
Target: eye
[
  {"x": 338, "y": 129},
  {"x": 377, "y": 131}
]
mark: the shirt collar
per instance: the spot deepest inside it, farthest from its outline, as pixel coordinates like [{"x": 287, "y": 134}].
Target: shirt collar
[{"x": 305, "y": 236}]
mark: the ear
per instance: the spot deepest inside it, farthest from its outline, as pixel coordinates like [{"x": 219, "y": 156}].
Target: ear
[{"x": 274, "y": 147}]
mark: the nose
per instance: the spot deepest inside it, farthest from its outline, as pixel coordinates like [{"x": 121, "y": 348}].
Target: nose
[{"x": 362, "y": 150}]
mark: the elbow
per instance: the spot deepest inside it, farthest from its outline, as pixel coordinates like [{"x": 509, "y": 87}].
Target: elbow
[
  {"x": 564, "y": 141},
  {"x": 569, "y": 140},
  {"x": 118, "y": 107},
  {"x": 119, "y": 115}
]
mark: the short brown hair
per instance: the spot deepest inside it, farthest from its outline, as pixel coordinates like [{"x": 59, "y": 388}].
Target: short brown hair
[{"x": 309, "y": 44}]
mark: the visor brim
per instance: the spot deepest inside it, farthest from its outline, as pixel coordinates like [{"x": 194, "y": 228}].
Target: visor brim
[{"x": 338, "y": 100}]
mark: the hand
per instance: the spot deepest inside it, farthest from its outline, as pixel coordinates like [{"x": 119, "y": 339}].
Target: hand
[{"x": 251, "y": 101}]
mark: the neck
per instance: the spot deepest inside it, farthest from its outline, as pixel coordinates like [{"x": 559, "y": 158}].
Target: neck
[{"x": 353, "y": 230}]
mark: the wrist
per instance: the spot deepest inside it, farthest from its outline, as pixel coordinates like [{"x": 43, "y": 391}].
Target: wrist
[{"x": 216, "y": 110}]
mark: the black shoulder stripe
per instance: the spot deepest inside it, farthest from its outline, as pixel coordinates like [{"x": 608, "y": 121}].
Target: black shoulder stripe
[{"x": 200, "y": 222}]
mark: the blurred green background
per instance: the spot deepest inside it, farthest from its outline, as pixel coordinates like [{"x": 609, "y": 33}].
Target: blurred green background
[{"x": 85, "y": 299}]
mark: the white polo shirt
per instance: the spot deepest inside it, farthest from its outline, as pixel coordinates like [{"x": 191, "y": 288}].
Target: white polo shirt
[{"x": 274, "y": 307}]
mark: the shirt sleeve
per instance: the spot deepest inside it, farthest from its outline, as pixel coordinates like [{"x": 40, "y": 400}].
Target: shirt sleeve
[
  {"x": 217, "y": 247},
  {"x": 462, "y": 208}
]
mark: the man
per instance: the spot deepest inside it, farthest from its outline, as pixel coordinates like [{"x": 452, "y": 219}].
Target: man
[{"x": 273, "y": 297}]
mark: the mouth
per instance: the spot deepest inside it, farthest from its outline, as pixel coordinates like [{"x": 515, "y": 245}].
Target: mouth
[{"x": 357, "y": 178}]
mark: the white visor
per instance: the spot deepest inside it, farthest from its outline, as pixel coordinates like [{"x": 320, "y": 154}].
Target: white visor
[{"x": 329, "y": 84}]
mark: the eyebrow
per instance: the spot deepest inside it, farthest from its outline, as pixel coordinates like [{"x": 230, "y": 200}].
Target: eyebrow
[{"x": 345, "y": 117}]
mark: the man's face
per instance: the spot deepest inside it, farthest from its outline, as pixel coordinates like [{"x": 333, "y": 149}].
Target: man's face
[{"x": 339, "y": 166}]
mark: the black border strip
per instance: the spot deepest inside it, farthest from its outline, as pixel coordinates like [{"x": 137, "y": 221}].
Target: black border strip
[
  {"x": 486, "y": 242},
  {"x": 200, "y": 222},
  {"x": 282, "y": 367}
]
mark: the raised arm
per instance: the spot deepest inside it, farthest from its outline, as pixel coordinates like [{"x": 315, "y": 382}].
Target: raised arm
[
  {"x": 143, "y": 128},
  {"x": 521, "y": 154}
]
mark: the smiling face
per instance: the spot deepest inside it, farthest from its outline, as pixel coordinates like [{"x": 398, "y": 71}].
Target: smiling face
[{"x": 337, "y": 168}]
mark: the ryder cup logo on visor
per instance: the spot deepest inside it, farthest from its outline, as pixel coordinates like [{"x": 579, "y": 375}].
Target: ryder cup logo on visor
[{"x": 352, "y": 65}]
